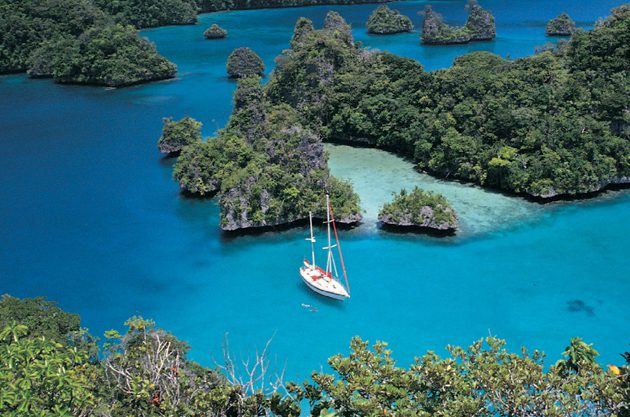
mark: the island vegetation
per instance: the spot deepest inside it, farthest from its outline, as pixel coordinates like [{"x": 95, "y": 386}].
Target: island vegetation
[
  {"x": 419, "y": 210},
  {"x": 244, "y": 62},
  {"x": 151, "y": 13},
  {"x": 215, "y": 32},
  {"x": 267, "y": 166},
  {"x": 562, "y": 25},
  {"x": 551, "y": 125},
  {"x": 51, "y": 366},
  {"x": 385, "y": 21},
  {"x": 75, "y": 42},
  {"x": 220, "y": 5},
  {"x": 177, "y": 134},
  {"x": 480, "y": 26}
]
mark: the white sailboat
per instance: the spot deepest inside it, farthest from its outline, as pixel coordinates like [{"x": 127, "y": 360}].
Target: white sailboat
[{"x": 325, "y": 281}]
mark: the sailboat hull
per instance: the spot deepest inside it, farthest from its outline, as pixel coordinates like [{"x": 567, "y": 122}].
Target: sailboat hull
[{"x": 327, "y": 287}]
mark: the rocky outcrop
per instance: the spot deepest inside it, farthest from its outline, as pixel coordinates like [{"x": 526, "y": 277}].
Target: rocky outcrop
[
  {"x": 480, "y": 23},
  {"x": 480, "y": 26},
  {"x": 436, "y": 32},
  {"x": 419, "y": 210},
  {"x": 562, "y": 25},
  {"x": 176, "y": 135},
  {"x": 243, "y": 62},
  {"x": 215, "y": 32},
  {"x": 386, "y": 21}
]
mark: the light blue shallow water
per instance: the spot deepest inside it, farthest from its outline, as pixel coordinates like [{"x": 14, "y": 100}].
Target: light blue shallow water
[{"x": 89, "y": 216}]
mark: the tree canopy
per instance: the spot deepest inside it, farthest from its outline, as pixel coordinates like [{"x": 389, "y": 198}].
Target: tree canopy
[{"x": 145, "y": 371}]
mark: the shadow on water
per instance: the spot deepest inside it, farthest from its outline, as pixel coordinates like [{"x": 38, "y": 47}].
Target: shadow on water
[
  {"x": 312, "y": 299},
  {"x": 580, "y": 306}
]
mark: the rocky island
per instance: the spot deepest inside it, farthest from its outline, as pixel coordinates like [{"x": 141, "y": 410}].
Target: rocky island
[
  {"x": 485, "y": 120},
  {"x": 243, "y": 62},
  {"x": 386, "y": 21},
  {"x": 82, "y": 47},
  {"x": 215, "y": 32},
  {"x": 177, "y": 134},
  {"x": 267, "y": 166},
  {"x": 562, "y": 25},
  {"x": 480, "y": 26},
  {"x": 419, "y": 210}
]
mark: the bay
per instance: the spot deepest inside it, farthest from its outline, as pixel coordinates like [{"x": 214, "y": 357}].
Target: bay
[{"x": 91, "y": 217}]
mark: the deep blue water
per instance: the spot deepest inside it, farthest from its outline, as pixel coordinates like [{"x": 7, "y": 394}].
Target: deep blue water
[{"x": 89, "y": 216}]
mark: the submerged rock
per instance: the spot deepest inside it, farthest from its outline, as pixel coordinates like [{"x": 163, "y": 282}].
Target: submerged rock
[
  {"x": 562, "y": 25},
  {"x": 480, "y": 23},
  {"x": 419, "y": 210},
  {"x": 385, "y": 21},
  {"x": 215, "y": 32}
]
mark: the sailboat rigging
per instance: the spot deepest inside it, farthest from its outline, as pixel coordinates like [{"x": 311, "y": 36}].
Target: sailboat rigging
[{"x": 325, "y": 281}]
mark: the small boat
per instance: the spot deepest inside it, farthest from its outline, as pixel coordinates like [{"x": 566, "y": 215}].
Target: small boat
[{"x": 325, "y": 281}]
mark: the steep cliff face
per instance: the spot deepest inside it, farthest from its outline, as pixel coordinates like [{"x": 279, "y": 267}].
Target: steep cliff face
[
  {"x": 562, "y": 25},
  {"x": 385, "y": 21},
  {"x": 480, "y": 23}
]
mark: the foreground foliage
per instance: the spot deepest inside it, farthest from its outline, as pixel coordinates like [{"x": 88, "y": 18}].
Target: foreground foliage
[
  {"x": 554, "y": 124},
  {"x": 145, "y": 372},
  {"x": 75, "y": 42}
]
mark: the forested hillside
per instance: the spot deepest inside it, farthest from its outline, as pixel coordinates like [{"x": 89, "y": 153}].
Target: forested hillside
[{"x": 554, "y": 124}]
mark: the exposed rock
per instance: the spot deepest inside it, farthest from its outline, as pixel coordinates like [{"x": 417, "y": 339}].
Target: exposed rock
[
  {"x": 384, "y": 21},
  {"x": 436, "y": 32},
  {"x": 562, "y": 25},
  {"x": 337, "y": 24},
  {"x": 480, "y": 23},
  {"x": 419, "y": 210},
  {"x": 303, "y": 26},
  {"x": 215, "y": 32},
  {"x": 243, "y": 62}
]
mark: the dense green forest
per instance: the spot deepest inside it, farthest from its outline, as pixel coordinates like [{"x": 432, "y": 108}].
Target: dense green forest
[
  {"x": 51, "y": 366},
  {"x": 553, "y": 124},
  {"x": 218, "y": 5},
  {"x": 151, "y": 13},
  {"x": 268, "y": 167},
  {"x": 419, "y": 208},
  {"x": 384, "y": 21},
  {"x": 480, "y": 26},
  {"x": 75, "y": 42}
]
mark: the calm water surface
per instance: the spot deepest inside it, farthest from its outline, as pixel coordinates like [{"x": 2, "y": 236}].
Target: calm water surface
[{"x": 89, "y": 216}]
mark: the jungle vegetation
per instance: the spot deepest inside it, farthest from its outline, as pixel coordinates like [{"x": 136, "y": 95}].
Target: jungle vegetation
[
  {"x": 244, "y": 62},
  {"x": 215, "y": 32},
  {"x": 145, "y": 371},
  {"x": 419, "y": 208},
  {"x": 267, "y": 166},
  {"x": 562, "y": 25},
  {"x": 177, "y": 134},
  {"x": 385, "y": 21},
  {"x": 480, "y": 26},
  {"x": 75, "y": 42},
  {"x": 556, "y": 124}
]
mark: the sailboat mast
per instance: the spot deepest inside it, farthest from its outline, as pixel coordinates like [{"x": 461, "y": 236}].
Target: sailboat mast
[
  {"x": 328, "y": 261},
  {"x": 310, "y": 219}
]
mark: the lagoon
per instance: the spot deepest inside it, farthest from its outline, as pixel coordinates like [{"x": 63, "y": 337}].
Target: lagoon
[{"x": 91, "y": 218}]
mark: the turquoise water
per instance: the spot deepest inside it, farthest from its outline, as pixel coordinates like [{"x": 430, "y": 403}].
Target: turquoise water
[{"x": 90, "y": 217}]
